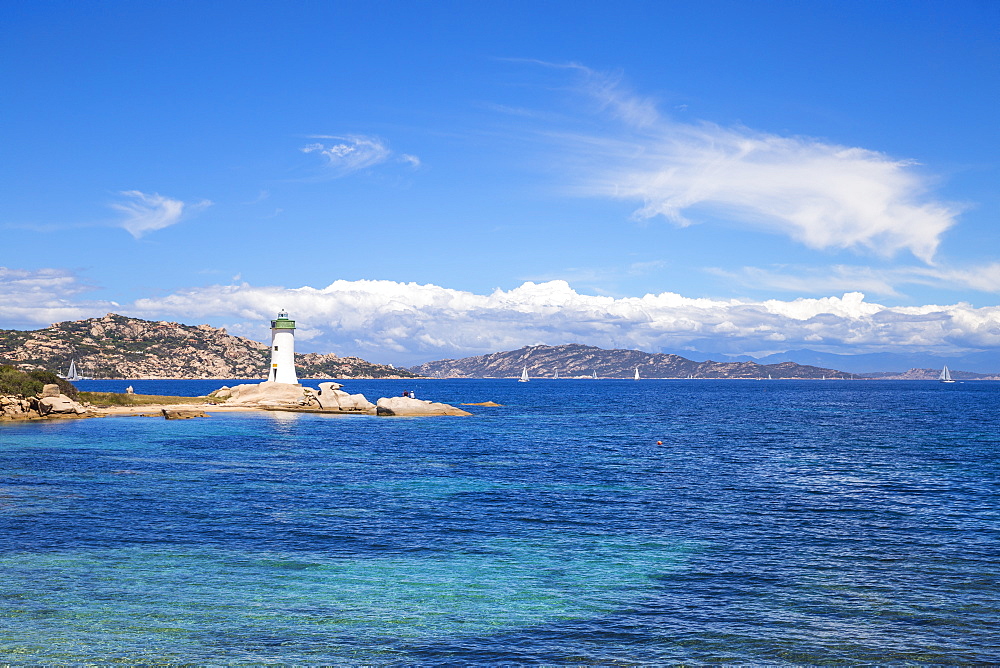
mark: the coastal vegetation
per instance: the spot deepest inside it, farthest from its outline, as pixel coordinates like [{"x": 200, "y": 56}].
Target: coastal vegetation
[
  {"x": 20, "y": 383},
  {"x": 107, "y": 399}
]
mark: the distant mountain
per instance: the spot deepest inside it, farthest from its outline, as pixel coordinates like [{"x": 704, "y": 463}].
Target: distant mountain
[
  {"x": 574, "y": 360},
  {"x": 927, "y": 374},
  {"x": 985, "y": 363},
  {"x": 119, "y": 347}
]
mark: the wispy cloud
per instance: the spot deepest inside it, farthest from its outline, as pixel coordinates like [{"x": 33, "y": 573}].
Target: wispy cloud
[
  {"x": 597, "y": 278},
  {"x": 145, "y": 213},
  {"x": 819, "y": 193},
  {"x": 809, "y": 280},
  {"x": 343, "y": 155},
  {"x": 887, "y": 281}
]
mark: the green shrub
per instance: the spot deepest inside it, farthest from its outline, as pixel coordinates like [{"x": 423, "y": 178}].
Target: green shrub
[
  {"x": 105, "y": 399},
  {"x": 29, "y": 383},
  {"x": 49, "y": 378},
  {"x": 16, "y": 382}
]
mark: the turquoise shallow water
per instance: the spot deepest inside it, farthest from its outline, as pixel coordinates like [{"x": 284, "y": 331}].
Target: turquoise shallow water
[{"x": 779, "y": 522}]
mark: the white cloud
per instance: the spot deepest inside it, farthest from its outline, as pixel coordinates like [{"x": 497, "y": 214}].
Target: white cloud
[
  {"x": 408, "y": 322},
  {"x": 40, "y": 297},
  {"x": 821, "y": 194},
  {"x": 145, "y": 213},
  {"x": 352, "y": 153}
]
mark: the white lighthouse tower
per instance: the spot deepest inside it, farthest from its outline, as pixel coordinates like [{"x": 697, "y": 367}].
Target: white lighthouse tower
[{"x": 282, "y": 350}]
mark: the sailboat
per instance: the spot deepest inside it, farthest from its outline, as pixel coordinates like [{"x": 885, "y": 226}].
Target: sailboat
[
  {"x": 73, "y": 374},
  {"x": 595, "y": 375},
  {"x": 524, "y": 375},
  {"x": 637, "y": 373},
  {"x": 945, "y": 375},
  {"x": 556, "y": 376}
]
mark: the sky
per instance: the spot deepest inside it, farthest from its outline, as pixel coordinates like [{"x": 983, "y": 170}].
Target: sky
[{"x": 415, "y": 181}]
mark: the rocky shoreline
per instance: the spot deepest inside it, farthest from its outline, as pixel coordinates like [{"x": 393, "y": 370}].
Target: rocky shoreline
[
  {"x": 266, "y": 396},
  {"x": 329, "y": 398},
  {"x": 50, "y": 403}
]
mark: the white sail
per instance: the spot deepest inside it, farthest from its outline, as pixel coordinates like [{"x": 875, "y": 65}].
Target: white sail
[
  {"x": 556, "y": 376},
  {"x": 73, "y": 374},
  {"x": 637, "y": 373},
  {"x": 946, "y": 375},
  {"x": 524, "y": 375},
  {"x": 595, "y": 375}
]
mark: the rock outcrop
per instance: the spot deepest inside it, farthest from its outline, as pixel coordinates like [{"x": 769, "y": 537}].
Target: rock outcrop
[
  {"x": 266, "y": 394},
  {"x": 50, "y": 403},
  {"x": 331, "y": 397},
  {"x": 284, "y": 395},
  {"x": 17, "y": 408},
  {"x": 405, "y": 406}
]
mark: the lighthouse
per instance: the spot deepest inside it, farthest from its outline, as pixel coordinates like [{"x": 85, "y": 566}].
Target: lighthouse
[{"x": 282, "y": 350}]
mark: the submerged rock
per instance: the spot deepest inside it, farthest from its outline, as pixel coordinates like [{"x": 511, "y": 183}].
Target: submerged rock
[{"x": 175, "y": 414}]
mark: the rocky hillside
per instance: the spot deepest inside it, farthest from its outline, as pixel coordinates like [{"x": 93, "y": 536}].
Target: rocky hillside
[
  {"x": 119, "y": 347},
  {"x": 575, "y": 360}
]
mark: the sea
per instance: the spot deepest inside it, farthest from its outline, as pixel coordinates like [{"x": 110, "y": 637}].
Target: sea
[{"x": 583, "y": 522}]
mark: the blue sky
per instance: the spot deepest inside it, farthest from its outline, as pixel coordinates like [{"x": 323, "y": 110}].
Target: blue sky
[{"x": 425, "y": 180}]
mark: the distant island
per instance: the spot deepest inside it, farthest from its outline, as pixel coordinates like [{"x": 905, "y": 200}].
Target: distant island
[
  {"x": 573, "y": 360},
  {"x": 117, "y": 346}
]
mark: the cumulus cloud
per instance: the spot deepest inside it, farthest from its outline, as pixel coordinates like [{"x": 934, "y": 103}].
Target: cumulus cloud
[
  {"x": 351, "y": 153},
  {"x": 409, "y": 323},
  {"x": 43, "y": 296},
  {"x": 145, "y": 213},
  {"x": 819, "y": 193}
]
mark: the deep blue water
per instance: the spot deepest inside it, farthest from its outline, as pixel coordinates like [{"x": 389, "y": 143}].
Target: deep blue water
[{"x": 780, "y": 522}]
